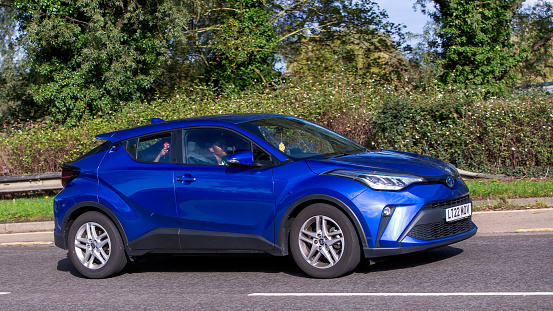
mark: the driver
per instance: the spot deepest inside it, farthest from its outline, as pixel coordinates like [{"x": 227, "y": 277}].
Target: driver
[{"x": 218, "y": 150}]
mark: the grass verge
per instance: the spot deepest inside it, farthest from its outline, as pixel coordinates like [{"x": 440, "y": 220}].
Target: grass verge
[
  {"x": 26, "y": 209},
  {"x": 510, "y": 189},
  {"x": 504, "y": 205}
]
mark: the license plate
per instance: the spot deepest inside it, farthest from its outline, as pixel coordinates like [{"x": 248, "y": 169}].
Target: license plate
[{"x": 458, "y": 212}]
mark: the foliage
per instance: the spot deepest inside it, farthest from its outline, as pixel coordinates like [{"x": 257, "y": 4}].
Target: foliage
[
  {"x": 245, "y": 47},
  {"x": 509, "y": 135},
  {"x": 510, "y": 189},
  {"x": 423, "y": 57},
  {"x": 529, "y": 26},
  {"x": 26, "y": 209},
  {"x": 352, "y": 36},
  {"x": 86, "y": 56},
  {"x": 476, "y": 40},
  {"x": 14, "y": 84}
]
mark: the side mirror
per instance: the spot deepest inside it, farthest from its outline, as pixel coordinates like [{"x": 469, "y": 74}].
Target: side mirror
[{"x": 243, "y": 158}]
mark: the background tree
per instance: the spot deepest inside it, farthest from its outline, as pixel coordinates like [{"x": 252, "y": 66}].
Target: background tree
[
  {"x": 14, "y": 96},
  {"x": 86, "y": 56},
  {"x": 332, "y": 36},
  {"x": 235, "y": 43},
  {"x": 476, "y": 45},
  {"x": 535, "y": 24},
  {"x": 231, "y": 44}
]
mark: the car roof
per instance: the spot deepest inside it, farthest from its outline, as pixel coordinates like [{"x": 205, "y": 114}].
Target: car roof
[{"x": 215, "y": 120}]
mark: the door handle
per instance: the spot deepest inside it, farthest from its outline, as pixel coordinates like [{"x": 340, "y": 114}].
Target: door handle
[
  {"x": 186, "y": 178},
  {"x": 114, "y": 149}
]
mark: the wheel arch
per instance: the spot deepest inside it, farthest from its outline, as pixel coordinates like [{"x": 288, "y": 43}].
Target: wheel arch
[
  {"x": 301, "y": 204},
  {"x": 88, "y": 206}
]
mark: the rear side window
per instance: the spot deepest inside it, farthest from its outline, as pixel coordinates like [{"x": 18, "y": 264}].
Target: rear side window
[
  {"x": 104, "y": 146},
  {"x": 151, "y": 148}
]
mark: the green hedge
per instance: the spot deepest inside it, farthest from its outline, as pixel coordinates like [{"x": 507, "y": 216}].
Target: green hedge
[{"x": 509, "y": 135}]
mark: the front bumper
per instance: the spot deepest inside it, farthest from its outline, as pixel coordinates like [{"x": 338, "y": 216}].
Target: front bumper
[
  {"x": 411, "y": 228},
  {"x": 59, "y": 241}
]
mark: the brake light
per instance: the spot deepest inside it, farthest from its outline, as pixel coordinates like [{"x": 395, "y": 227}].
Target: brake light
[{"x": 68, "y": 173}]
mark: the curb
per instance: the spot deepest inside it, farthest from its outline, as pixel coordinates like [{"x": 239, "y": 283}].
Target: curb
[
  {"x": 513, "y": 211},
  {"x": 22, "y": 227},
  {"x": 527, "y": 201}
]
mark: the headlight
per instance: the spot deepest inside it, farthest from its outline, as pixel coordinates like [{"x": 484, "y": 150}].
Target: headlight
[{"x": 378, "y": 181}]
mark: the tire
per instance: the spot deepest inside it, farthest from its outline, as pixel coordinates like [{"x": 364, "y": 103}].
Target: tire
[
  {"x": 323, "y": 242},
  {"x": 95, "y": 246}
]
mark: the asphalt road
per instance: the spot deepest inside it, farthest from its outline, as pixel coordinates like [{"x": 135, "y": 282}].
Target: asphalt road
[{"x": 492, "y": 272}]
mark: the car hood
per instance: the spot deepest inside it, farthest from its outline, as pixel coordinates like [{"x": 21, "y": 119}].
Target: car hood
[{"x": 386, "y": 161}]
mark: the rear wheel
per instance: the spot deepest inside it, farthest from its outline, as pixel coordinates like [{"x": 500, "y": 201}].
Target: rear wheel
[
  {"x": 95, "y": 246},
  {"x": 324, "y": 242}
]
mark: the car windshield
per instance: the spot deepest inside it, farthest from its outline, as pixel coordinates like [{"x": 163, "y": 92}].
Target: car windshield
[{"x": 299, "y": 139}]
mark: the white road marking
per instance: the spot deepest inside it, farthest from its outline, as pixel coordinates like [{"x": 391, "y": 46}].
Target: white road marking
[
  {"x": 4, "y": 293},
  {"x": 404, "y": 294},
  {"x": 26, "y": 243},
  {"x": 26, "y": 233},
  {"x": 535, "y": 230}
]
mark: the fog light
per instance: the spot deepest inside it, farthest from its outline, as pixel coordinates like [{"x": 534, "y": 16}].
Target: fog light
[{"x": 387, "y": 211}]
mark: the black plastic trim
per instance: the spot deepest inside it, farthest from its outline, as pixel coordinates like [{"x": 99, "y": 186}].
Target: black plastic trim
[
  {"x": 392, "y": 251},
  {"x": 283, "y": 232},
  {"x": 59, "y": 241},
  {"x": 428, "y": 214},
  {"x": 384, "y": 220},
  {"x": 95, "y": 205},
  {"x": 157, "y": 239},
  {"x": 175, "y": 240},
  {"x": 223, "y": 241}
]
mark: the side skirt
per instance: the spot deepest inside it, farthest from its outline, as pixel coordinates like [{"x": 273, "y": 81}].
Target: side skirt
[{"x": 175, "y": 240}]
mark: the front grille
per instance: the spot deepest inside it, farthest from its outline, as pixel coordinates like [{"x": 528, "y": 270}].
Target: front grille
[
  {"x": 451, "y": 202},
  {"x": 439, "y": 230}
]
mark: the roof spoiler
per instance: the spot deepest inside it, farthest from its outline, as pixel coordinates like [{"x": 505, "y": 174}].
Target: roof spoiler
[{"x": 156, "y": 120}]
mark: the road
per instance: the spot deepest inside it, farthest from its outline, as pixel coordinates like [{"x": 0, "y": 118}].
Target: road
[{"x": 492, "y": 272}]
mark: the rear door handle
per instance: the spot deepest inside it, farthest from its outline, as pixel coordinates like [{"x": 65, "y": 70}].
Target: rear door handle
[
  {"x": 114, "y": 149},
  {"x": 186, "y": 178}
]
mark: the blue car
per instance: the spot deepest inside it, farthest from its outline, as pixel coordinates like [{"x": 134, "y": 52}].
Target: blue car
[{"x": 254, "y": 183}]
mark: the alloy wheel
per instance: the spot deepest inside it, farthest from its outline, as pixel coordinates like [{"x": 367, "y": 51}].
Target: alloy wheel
[
  {"x": 92, "y": 245},
  {"x": 321, "y": 241}
]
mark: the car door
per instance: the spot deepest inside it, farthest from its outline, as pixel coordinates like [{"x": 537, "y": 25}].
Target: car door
[
  {"x": 137, "y": 181},
  {"x": 222, "y": 207}
]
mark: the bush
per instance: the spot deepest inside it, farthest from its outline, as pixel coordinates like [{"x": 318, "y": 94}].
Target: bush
[{"x": 510, "y": 135}]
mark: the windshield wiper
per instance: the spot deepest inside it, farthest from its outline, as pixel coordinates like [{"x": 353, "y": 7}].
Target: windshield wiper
[{"x": 343, "y": 154}]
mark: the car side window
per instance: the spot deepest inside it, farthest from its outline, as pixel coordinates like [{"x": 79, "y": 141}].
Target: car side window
[
  {"x": 212, "y": 146},
  {"x": 151, "y": 148}
]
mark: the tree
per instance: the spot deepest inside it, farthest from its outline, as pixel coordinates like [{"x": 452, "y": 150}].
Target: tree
[
  {"x": 476, "y": 40},
  {"x": 231, "y": 44},
  {"x": 327, "y": 36},
  {"x": 234, "y": 43},
  {"x": 86, "y": 56},
  {"x": 530, "y": 26},
  {"x": 14, "y": 84}
]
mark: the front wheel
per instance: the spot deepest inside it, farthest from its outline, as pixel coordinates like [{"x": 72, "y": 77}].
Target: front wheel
[
  {"x": 95, "y": 246},
  {"x": 323, "y": 242}
]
